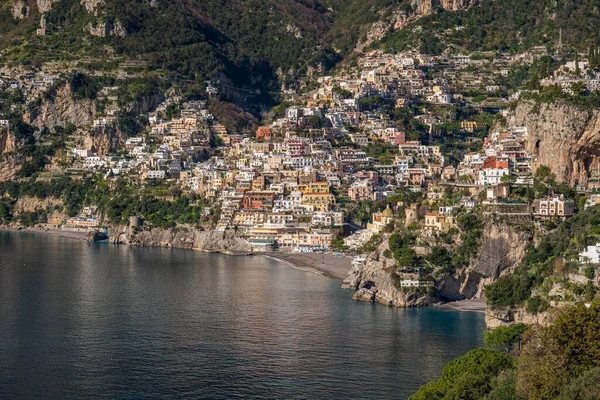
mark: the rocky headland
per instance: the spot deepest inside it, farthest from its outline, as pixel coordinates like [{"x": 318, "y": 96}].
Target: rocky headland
[{"x": 503, "y": 246}]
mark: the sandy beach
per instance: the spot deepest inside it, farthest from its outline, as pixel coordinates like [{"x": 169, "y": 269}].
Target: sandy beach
[
  {"x": 50, "y": 232},
  {"x": 324, "y": 264},
  {"x": 474, "y": 305}
]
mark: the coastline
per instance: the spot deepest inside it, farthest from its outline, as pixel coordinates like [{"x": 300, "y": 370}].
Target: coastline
[
  {"x": 321, "y": 264},
  {"x": 48, "y": 232},
  {"x": 471, "y": 305},
  {"x": 327, "y": 265}
]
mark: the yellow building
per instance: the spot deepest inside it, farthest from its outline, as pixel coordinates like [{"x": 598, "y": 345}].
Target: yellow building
[
  {"x": 320, "y": 201},
  {"x": 314, "y": 187},
  {"x": 249, "y": 218},
  {"x": 436, "y": 222},
  {"x": 381, "y": 219}
]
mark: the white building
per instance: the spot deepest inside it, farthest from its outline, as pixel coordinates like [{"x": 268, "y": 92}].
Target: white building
[
  {"x": 591, "y": 255},
  {"x": 156, "y": 174}
]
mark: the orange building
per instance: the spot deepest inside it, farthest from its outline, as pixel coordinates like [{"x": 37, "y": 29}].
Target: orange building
[
  {"x": 264, "y": 132},
  {"x": 259, "y": 200}
]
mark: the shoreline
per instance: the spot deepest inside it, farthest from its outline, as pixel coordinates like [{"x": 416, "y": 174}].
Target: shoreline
[
  {"x": 326, "y": 265},
  {"x": 48, "y": 232},
  {"x": 469, "y": 305},
  {"x": 321, "y": 264}
]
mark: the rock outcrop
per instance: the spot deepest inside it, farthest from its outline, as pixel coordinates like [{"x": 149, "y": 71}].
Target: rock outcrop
[
  {"x": 20, "y": 10},
  {"x": 7, "y": 141},
  {"x": 103, "y": 141},
  {"x": 502, "y": 249},
  {"x": 507, "y": 316},
  {"x": 374, "y": 282},
  {"x": 45, "y": 5},
  {"x": 106, "y": 29},
  {"x": 185, "y": 237},
  {"x": 563, "y": 137},
  {"x": 400, "y": 18},
  {"x": 62, "y": 110},
  {"x": 32, "y": 204},
  {"x": 91, "y": 5},
  {"x": 8, "y": 169}
]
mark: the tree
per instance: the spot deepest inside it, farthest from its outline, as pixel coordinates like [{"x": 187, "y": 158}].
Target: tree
[
  {"x": 338, "y": 244},
  {"x": 555, "y": 355},
  {"x": 441, "y": 257},
  {"x": 508, "y": 179},
  {"x": 585, "y": 387},
  {"x": 471, "y": 376},
  {"x": 505, "y": 337}
]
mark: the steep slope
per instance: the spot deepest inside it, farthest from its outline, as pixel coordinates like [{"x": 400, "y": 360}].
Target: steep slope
[
  {"x": 503, "y": 25},
  {"x": 359, "y": 23},
  {"x": 502, "y": 248},
  {"x": 564, "y": 137},
  {"x": 252, "y": 43}
]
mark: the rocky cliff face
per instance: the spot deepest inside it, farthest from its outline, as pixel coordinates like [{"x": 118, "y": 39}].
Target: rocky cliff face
[
  {"x": 502, "y": 249},
  {"x": 562, "y": 137},
  {"x": 91, "y": 5},
  {"x": 7, "y": 141},
  {"x": 8, "y": 169},
  {"x": 103, "y": 141},
  {"x": 105, "y": 29},
  {"x": 45, "y": 5},
  {"x": 374, "y": 282},
  {"x": 62, "y": 110},
  {"x": 20, "y": 10},
  {"x": 400, "y": 18},
  {"x": 32, "y": 204},
  {"x": 504, "y": 317},
  {"x": 184, "y": 237}
]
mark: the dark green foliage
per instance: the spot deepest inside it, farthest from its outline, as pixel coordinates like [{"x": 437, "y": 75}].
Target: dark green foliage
[
  {"x": 338, "y": 244},
  {"x": 504, "y": 387},
  {"x": 554, "y": 357},
  {"x": 509, "y": 290},
  {"x": 505, "y": 337},
  {"x": 371, "y": 245},
  {"x": 571, "y": 235},
  {"x": 116, "y": 202},
  {"x": 471, "y": 228},
  {"x": 510, "y": 25},
  {"x": 536, "y": 304},
  {"x": 559, "y": 361},
  {"x": 471, "y": 376},
  {"x": 83, "y": 87},
  {"x": 441, "y": 257},
  {"x": 585, "y": 387},
  {"x": 401, "y": 249}
]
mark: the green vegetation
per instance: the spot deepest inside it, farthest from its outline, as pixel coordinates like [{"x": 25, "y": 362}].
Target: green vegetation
[
  {"x": 510, "y": 25},
  {"x": 554, "y": 357},
  {"x": 505, "y": 337},
  {"x": 193, "y": 40},
  {"x": 371, "y": 245},
  {"x": 544, "y": 261},
  {"x": 560, "y": 361},
  {"x": 115, "y": 201},
  {"x": 471, "y": 376},
  {"x": 471, "y": 228}
]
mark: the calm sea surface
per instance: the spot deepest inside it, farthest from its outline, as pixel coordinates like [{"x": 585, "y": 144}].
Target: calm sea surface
[{"x": 97, "y": 321}]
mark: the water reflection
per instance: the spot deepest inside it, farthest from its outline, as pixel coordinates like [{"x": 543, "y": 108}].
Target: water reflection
[{"x": 84, "y": 320}]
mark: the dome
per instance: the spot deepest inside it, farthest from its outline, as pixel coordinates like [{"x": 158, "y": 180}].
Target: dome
[{"x": 387, "y": 212}]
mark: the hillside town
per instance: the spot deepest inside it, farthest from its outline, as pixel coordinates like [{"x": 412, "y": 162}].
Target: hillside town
[{"x": 383, "y": 126}]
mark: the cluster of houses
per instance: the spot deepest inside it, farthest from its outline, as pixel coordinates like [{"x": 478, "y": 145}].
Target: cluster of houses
[{"x": 290, "y": 184}]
